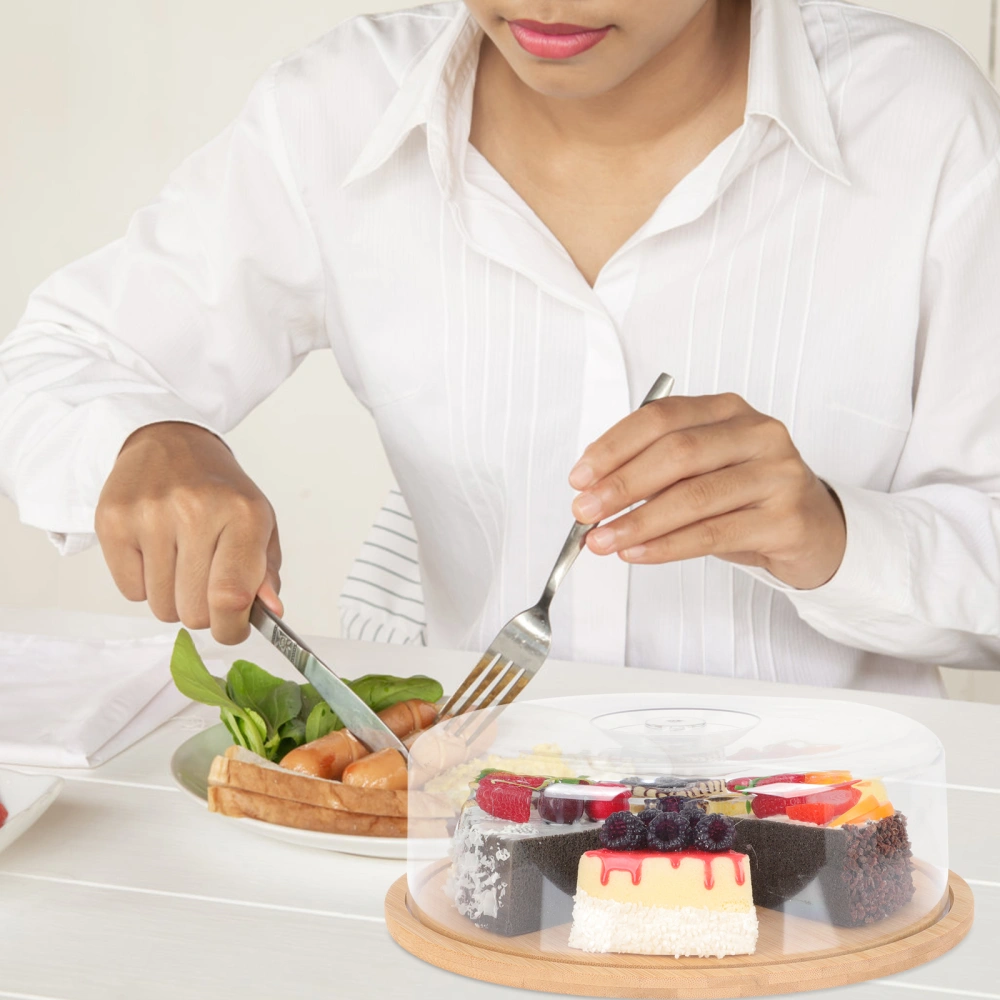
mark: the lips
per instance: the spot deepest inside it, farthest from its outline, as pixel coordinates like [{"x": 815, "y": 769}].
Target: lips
[{"x": 555, "y": 41}]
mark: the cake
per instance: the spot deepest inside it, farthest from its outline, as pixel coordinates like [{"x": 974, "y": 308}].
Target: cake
[
  {"x": 655, "y": 903},
  {"x": 848, "y": 875},
  {"x": 515, "y": 878},
  {"x": 840, "y": 854},
  {"x": 675, "y": 866}
]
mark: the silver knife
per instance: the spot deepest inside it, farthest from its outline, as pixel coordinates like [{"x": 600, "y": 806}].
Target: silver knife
[{"x": 356, "y": 716}]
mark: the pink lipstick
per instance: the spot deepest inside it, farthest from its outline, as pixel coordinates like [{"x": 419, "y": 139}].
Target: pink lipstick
[{"x": 555, "y": 41}]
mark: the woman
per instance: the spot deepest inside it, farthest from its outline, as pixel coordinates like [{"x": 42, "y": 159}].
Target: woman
[{"x": 506, "y": 218}]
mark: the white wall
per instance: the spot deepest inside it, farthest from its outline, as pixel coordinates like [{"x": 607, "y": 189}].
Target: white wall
[{"x": 99, "y": 99}]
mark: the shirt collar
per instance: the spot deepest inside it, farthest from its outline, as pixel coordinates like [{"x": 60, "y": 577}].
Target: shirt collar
[
  {"x": 433, "y": 94},
  {"x": 784, "y": 85}
]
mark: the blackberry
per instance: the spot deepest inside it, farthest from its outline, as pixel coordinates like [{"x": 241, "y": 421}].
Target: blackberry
[
  {"x": 671, "y": 803},
  {"x": 669, "y": 831},
  {"x": 714, "y": 832},
  {"x": 693, "y": 809},
  {"x": 648, "y": 815},
  {"x": 623, "y": 831}
]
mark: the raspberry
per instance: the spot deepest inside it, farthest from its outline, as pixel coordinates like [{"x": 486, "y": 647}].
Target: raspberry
[
  {"x": 598, "y": 809},
  {"x": 623, "y": 831},
  {"x": 556, "y": 809},
  {"x": 669, "y": 831},
  {"x": 714, "y": 832},
  {"x": 648, "y": 815},
  {"x": 507, "y": 796}
]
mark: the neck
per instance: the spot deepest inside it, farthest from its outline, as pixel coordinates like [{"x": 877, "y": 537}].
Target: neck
[{"x": 705, "y": 63}]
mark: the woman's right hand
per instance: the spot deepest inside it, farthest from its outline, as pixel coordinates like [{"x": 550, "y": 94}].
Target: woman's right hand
[{"x": 183, "y": 527}]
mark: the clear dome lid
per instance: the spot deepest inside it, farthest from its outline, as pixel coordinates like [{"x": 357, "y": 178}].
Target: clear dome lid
[{"x": 678, "y": 825}]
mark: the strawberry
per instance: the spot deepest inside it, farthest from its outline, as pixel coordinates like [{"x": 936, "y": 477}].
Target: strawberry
[
  {"x": 768, "y": 805},
  {"x": 780, "y": 779},
  {"x": 507, "y": 796},
  {"x": 531, "y": 780},
  {"x": 738, "y": 784},
  {"x": 598, "y": 809},
  {"x": 3, "y": 814}
]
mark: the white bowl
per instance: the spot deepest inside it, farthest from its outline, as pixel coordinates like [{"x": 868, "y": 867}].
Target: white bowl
[{"x": 25, "y": 797}]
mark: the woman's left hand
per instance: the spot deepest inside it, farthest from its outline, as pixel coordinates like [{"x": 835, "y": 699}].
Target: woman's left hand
[{"x": 718, "y": 479}]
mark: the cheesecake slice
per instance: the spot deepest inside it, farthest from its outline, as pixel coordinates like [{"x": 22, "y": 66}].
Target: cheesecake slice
[{"x": 655, "y": 903}]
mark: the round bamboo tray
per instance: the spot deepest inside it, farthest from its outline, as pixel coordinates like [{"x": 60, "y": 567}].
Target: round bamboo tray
[{"x": 793, "y": 954}]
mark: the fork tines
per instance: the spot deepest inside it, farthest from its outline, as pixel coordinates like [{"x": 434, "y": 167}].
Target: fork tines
[{"x": 512, "y": 681}]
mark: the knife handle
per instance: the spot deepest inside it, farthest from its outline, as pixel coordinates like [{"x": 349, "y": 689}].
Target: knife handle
[{"x": 284, "y": 640}]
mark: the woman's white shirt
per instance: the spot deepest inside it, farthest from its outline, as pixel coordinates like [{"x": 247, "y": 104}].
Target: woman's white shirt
[{"x": 834, "y": 262}]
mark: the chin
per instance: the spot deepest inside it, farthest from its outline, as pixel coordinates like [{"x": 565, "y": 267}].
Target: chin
[{"x": 565, "y": 81}]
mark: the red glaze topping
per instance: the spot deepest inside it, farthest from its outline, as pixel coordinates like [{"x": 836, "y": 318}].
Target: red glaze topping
[{"x": 631, "y": 862}]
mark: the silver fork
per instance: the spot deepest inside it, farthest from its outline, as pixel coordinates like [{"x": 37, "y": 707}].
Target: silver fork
[{"x": 523, "y": 644}]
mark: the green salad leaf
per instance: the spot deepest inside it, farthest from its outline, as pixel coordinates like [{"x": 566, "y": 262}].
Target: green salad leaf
[
  {"x": 277, "y": 701},
  {"x": 271, "y": 716},
  {"x": 192, "y": 677},
  {"x": 321, "y": 721},
  {"x": 381, "y": 691}
]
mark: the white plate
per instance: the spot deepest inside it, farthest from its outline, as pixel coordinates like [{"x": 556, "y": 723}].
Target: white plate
[
  {"x": 190, "y": 766},
  {"x": 26, "y": 797}
]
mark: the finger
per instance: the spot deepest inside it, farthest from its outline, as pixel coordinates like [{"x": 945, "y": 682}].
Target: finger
[
  {"x": 159, "y": 568},
  {"x": 271, "y": 586},
  {"x": 125, "y": 564},
  {"x": 737, "y": 535},
  {"x": 680, "y": 454},
  {"x": 685, "y": 503},
  {"x": 112, "y": 525},
  {"x": 194, "y": 562},
  {"x": 639, "y": 430},
  {"x": 239, "y": 566}
]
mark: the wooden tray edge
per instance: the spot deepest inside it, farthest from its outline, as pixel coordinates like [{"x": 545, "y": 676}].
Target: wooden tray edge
[{"x": 547, "y": 976}]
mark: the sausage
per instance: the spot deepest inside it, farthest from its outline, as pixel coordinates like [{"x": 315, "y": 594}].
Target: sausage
[
  {"x": 406, "y": 716},
  {"x": 385, "y": 769},
  {"x": 326, "y": 757},
  {"x": 329, "y": 755}
]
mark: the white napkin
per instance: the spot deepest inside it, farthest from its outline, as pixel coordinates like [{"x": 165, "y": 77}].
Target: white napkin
[{"x": 77, "y": 703}]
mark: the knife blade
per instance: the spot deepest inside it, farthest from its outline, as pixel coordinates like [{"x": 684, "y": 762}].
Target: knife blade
[{"x": 356, "y": 716}]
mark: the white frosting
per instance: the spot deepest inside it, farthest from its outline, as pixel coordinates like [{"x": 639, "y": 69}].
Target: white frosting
[
  {"x": 605, "y": 925},
  {"x": 474, "y": 885}
]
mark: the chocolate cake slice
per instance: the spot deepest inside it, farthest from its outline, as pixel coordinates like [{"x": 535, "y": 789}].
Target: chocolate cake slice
[
  {"x": 848, "y": 876},
  {"x": 516, "y": 878}
]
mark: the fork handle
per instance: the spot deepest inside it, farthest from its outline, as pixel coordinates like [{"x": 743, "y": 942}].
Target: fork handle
[{"x": 577, "y": 538}]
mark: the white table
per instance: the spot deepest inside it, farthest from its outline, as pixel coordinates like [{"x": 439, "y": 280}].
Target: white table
[{"x": 126, "y": 889}]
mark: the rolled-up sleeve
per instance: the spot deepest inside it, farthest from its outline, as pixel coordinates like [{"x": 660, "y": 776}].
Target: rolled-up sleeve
[
  {"x": 920, "y": 577},
  {"x": 209, "y": 302}
]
